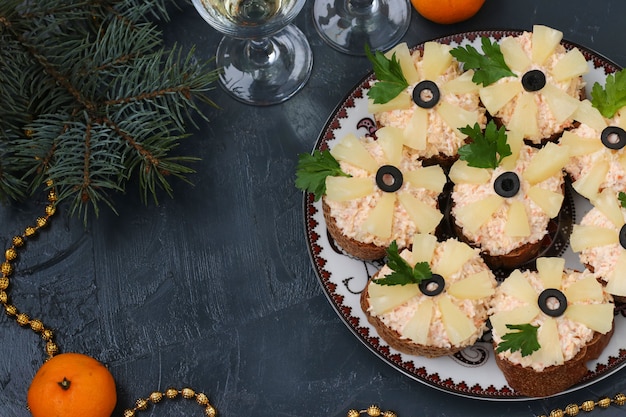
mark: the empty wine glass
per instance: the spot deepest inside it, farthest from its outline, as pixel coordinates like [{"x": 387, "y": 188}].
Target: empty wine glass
[
  {"x": 263, "y": 57},
  {"x": 347, "y": 25}
]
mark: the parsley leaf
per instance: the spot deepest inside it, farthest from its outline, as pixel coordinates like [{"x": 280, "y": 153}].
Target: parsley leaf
[
  {"x": 622, "y": 198},
  {"x": 403, "y": 273},
  {"x": 313, "y": 169},
  {"x": 612, "y": 97},
  {"x": 486, "y": 150},
  {"x": 488, "y": 68},
  {"x": 391, "y": 81},
  {"x": 524, "y": 339}
]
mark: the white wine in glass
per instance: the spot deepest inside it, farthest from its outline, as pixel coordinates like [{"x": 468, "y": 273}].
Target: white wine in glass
[
  {"x": 264, "y": 58},
  {"x": 348, "y": 25}
]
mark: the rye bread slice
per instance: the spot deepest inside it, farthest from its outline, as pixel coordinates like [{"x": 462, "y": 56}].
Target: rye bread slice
[
  {"x": 395, "y": 340},
  {"x": 361, "y": 250},
  {"x": 553, "y": 379},
  {"x": 511, "y": 260}
]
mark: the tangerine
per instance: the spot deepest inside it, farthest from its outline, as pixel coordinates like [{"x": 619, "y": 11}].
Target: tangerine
[
  {"x": 447, "y": 11},
  {"x": 72, "y": 385}
]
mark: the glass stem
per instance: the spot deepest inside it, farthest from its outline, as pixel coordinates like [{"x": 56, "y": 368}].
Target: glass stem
[
  {"x": 362, "y": 7},
  {"x": 260, "y": 52}
]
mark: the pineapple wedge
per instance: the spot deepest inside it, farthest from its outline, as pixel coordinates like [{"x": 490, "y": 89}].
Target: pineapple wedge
[
  {"x": 515, "y": 140},
  {"x": 590, "y": 116},
  {"x": 579, "y": 146},
  {"x": 616, "y": 284},
  {"x": 620, "y": 118},
  {"x": 350, "y": 150},
  {"x": 423, "y": 247},
  {"x": 472, "y": 216},
  {"x": 598, "y": 317},
  {"x": 515, "y": 285},
  {"x": 416, "y": 130},
  {"x": 384, "y": 298},
  {"x": 457, "y": 117},
  {"x": 517, "y": 224},
  {"x": 462, "y": 173},
  {"x": 548, "y": 201},
  {"x": 435, "y": 60},
  {"x": 431, "y": 178},
  {"x": 573, "y": 64},
  {"x": 524, "y": 118},
  {"x": 549, "y": 161},
  {"x": 407, "y": 64},
  {"x": 496, "y": 96},
  {"x": 462, "y": 84},
  {"x": 474, "y": 287},
  {"x": 561, "y": 104},
  {"x": 425, "y": 217},
  {"x": 607, "y": 203},
  {"x": 418, "y": 327},
  {"x": 585, "y": 289},
  {"x": 622, "y": 160},
  {"x": 391, "y": 139},
  {"x": 348, "y": 188},
  {"x": 550, "y": 352},
  {"x": 458, "y": 326},
  {"x": 586, "y": 237},
  {"x": 519, "y": 315},
  {"x": 551, "y": 271},
  {"x": 589, "y": 184},
  {"x": 545, "y": 40},
  {"x": 380, "y": 219},
  {"x": 454, "y": 256},
  {"x": 514, "y": 55},
  {"x": 402, "y": 101}
]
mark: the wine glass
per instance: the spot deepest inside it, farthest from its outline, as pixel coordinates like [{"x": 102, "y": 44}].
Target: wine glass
[
  {"x": 348, "y": 25},
  {"x": 263, "y": 58}
]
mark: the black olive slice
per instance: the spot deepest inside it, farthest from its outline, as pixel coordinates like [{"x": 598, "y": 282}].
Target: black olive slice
[
  {"x": 432, "y": 286},
  {"x": 389, "y": 178},
  {"x": 533, "y": 80},
  {"x": 622, "y": 236},
  {"x": 507, "y": 184},
  {"x": 613, "y": 137},
  {"x": 426, "y": 94},
  {"x": 552, "y": 302}
]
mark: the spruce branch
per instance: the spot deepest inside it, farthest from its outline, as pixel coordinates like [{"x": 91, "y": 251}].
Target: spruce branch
[{"x": 90, "y": 98}]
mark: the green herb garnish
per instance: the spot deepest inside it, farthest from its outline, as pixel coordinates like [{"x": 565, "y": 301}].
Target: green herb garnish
[
  {"x": 488, "y": 68},
  {"x": 391, "y": 81},
  {"x": 313, "y": 169},
  {"x": 612, "y": 97},
  {"x": 403, "y": 273},
  {"x": 621, "y": 196},
  {"x": 524, "y": 339},
  {"x": 486, "y": 150}
]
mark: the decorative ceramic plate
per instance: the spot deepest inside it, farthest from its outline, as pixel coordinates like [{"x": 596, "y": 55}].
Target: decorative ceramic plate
[{"x": 472, "y": 372}]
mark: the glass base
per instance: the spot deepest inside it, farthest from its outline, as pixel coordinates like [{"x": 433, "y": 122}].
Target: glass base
[
  {"x": 267, "y": 71},
  {"x": 347, "y": 25}
]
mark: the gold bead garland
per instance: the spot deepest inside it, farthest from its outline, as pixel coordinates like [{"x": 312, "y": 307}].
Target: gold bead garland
[
  {"x": 573, "y": 409},
  {"x": 372, "y": 411},
  {"x": 7, "y": 269},
  {"x": 172, "y": 393}
]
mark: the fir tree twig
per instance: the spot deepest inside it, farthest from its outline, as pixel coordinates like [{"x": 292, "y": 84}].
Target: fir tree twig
[{"x": 90, "y": 97}]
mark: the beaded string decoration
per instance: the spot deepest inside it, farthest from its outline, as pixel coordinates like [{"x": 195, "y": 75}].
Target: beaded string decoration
[
  {"x": 7, "y": 269},
  {"x": 372, "y": 411}
]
